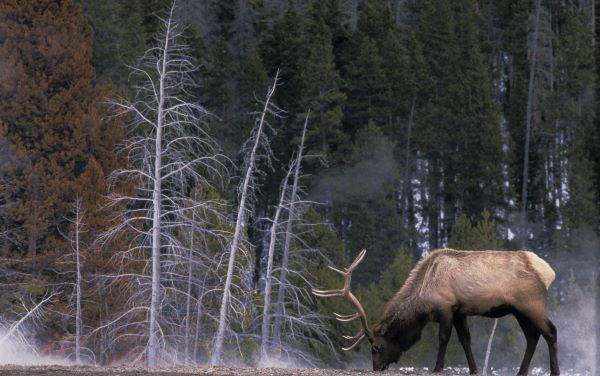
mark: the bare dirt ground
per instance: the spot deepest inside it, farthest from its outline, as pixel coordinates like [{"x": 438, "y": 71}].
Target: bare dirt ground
[{"x": 200, "y": 371}]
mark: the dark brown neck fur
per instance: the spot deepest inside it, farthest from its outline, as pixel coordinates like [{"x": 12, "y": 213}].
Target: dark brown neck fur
[{"x": 406, "y": 314}]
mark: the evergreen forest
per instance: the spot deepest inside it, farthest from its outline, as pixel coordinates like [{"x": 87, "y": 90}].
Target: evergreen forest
[{"x": 176, "y": 177}]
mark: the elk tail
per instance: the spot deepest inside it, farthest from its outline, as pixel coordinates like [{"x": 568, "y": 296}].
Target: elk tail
[{"x": 543, "y": 269}]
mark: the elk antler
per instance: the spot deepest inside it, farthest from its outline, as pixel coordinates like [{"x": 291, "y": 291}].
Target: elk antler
[{"x": 347, "y": 293}]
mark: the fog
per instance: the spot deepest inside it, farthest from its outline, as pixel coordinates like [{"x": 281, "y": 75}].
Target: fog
[{"x": 19, "y": 350}]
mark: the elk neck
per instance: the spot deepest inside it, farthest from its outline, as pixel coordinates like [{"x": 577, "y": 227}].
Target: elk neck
[{"x": 406, "y": 313}]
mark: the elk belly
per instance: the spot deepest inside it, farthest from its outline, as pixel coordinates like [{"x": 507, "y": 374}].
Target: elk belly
[{"x": 490, "y": 306}]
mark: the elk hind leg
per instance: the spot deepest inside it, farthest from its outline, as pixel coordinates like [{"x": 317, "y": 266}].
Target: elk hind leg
[
  {"x": 464, "y": 336},
  {"x": 551, "y": 338},
  {"x": 445, "y": 332},
  {"x": 546, "y": 328},
  {"x": 532, "y": 336}
]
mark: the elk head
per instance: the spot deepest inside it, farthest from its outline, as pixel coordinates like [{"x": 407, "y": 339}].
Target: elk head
[{"x": 383, "y": 350}]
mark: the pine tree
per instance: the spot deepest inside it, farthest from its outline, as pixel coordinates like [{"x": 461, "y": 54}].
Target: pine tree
[
  {"x": 56, "y": 125},
  {"x": 222, "y": 72},
  {"x": 220, "y": 94},
  {"x": 366, "y": 81},
  {"x": 364, "y": 207},
  {"x": 321, "y": 91},
  {"x": 300, "y": 44},
  {"x": 572, "y": 147},
  {"x": 153, "y": 11},
  {"x": 458, "y": 127},
  {"x": 52, "y": 119},
  {"x": 119, "y": 37},
  {"x": 283, "y": 48}
]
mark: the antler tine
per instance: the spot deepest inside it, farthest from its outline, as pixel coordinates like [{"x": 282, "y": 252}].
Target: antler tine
[
  {"x": 357, "y": 260},
  {"x": 356, "y": 336},
  {"x": 358, "y": 342},
  {"x": 337, "y": 270},
  {"x": 346, "y": 318},
  {"x": 328, "y": 293}
]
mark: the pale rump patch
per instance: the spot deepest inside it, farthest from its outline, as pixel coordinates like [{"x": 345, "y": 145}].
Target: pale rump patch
[{"x": 544, "y": 270}]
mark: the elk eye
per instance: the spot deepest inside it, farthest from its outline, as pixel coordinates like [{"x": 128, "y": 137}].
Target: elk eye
[{"x": 376, "y": 348}]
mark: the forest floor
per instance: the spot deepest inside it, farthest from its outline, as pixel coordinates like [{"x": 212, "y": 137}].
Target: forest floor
[{"x": 201, "y": 371}]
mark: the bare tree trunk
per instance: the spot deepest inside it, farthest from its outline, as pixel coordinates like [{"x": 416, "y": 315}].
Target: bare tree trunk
[
  {"x": 488, "y": 350},
  {"x": 593, "y": 21},
  {"x": 199, "y": 310},
  {"x": 103, "y": 348},
  {"x": 239, "y": 224},
  {"x": 198, "y": 321},
  {"x": 354, "y": 15},
  {"x": 78, "y": 321},
  {"x": 288, "y": 238},
  {"x": 188, "y": 302},
  {"x": 197, "y": 329},
  {"x": 532, "y": 67},
  {"x": 33, "y": 230},
  {"x": 264, "y": 343},
  {"x": 156, "y": 209},
  {"x": 406, "y": 177}
]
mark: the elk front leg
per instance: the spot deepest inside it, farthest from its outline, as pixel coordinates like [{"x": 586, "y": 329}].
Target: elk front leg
[
  {"x": 464, "y": 336},
  {"x": 445, "y": 319}
]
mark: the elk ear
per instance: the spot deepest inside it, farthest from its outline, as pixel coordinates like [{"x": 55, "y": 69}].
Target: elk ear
[{"x": 380, "y": 330}]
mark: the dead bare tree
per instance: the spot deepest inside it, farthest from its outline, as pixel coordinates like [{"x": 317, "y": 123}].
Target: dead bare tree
[
  {"x": 293, "y": 315},
  {"x": 76, "y": 258},
  {"x": 266, "y": 319},
  {"x": 488, "y": 350},
  {"x": 30, "y": 314},
  {"x": 190, "y": 285},
  {"x": 258, "y": 140},
  {"x": 169, "y": 150},
  {"x": 288, "y": 235}
]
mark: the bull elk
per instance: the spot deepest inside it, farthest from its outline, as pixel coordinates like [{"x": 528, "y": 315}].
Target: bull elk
[{"x": 447, "y": 286}]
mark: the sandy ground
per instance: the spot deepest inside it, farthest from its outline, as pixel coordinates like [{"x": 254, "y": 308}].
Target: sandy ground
[{"x": 184, "y": 371}]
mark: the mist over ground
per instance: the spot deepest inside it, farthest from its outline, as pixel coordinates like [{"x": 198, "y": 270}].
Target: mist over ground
[
  {"x": 226, "y": 371},
  {"x": 16, "y": 350}
]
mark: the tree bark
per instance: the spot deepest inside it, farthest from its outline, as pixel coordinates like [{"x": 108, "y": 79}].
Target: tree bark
[
  {"x": 406, "y": 177},
  {"x": 525, "y": 182},
  {"x": 188, "y": 300},
  {"x": 354, "y": 15},
  {"x": 156, "y": 210},
  {"x": 220, "y": 336},
  {"x": 288, "y": 238},
  {"x": 264, "y": 343},
  {"x": 78, "y": 321},
  {"x": 488, "y": 350}
]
